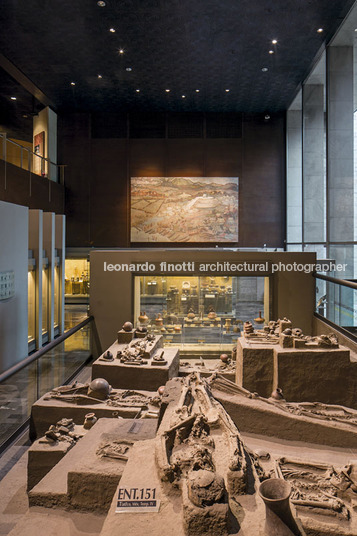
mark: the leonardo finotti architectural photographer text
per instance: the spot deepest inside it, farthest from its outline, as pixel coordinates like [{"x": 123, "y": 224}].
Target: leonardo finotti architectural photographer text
[{"x": 223, "y": 267}]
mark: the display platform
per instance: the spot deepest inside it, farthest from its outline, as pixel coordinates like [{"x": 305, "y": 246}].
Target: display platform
[
  {"x": 52, "y": 407},
  {"x": 86, "y": 478},
  {"x": 138, "y": 365},
  {"x": 267, "y": 361},
  {"x": 316, "y": 423},
  {"x": 43, "y": 455}
]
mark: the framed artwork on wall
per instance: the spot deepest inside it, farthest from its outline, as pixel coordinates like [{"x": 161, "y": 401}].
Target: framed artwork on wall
[
  {"x": 39, "y": 151},
  {"x": 184, "y": 209}
]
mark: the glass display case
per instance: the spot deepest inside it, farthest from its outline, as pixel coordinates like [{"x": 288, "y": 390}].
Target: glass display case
[
  {"x": 31, "y": 295},
  {"x": 76, "y": 278},
  {"x": 198, "y": 311},
  {"x": 56, "y": 292},
  {"x": 45, "y": 283}
]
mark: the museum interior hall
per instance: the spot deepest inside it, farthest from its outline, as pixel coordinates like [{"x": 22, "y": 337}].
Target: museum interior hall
[{"x": 178, "y": 268}]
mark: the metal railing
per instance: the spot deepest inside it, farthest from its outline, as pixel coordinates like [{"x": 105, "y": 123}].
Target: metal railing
[
  {"x": 25, "y": 158},
  {"x": 53, "y": 365},
  {"x": 336, "y": 302}
]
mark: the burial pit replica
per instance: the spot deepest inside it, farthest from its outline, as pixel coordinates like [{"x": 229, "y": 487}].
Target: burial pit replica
[{"x": 152, "y": 446}]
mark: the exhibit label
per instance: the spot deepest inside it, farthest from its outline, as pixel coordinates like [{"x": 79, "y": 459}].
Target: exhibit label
[{"x": 136, "y": 500}]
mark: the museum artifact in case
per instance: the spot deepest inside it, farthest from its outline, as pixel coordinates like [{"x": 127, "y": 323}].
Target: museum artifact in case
[
  {"x": 77, "y": 278},
  {"x": 45, "y": 297},
  {"x": 192, "y": 311},
  {"x": 31, "y": 296}
]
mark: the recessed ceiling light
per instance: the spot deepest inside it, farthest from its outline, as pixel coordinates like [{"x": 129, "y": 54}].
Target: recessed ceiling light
[
  {"x": 25, "y": 116},
  {"x": 100, "y": 76},
  {"x": 101, "y": 3},
  {"x": 128, "y": 69},
  {"x": 183, "y": 96},
  {"x": 264, "y": 69},
  {"x": 320, "y": 30},
  {"x": 167, "y": 90},
  {"x": 121, "y": 51},
  {"x": 267, "y": 117},
  {"x": 112, "y": 30},
  {"x": 271, "y": 51},
  {"x": 274, "y": 41},
  {"x": 73, "y": 83},
  {"x": 227, "y": 90},
  {"x": 13, "y": 98},
  {"x": 197, "y": 90},
  {"x": 355, "y": 29},
  {"x": 137, "y": 90}
]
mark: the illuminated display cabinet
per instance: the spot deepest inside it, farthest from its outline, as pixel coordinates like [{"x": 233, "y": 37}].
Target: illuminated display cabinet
[
  {"x": 31, "y": 295},
  {"x": 76, "y": 278},
  {"x": 199, "y": 310}
]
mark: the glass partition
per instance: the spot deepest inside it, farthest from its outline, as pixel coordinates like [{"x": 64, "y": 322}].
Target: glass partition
[
  {"x": 338, "y": 304},
  {"x": 55, "y": 367}
]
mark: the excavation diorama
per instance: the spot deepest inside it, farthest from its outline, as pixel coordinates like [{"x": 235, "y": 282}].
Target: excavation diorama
[{"x": 258, "y": 441}]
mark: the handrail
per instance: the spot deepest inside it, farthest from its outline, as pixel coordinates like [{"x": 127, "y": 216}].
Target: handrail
[
  {"x": 59, "y": 167},
  {"x": 28, "y": 150},
  {"x": 31, "y": 358},
  {"x": 342, "y": 282}
]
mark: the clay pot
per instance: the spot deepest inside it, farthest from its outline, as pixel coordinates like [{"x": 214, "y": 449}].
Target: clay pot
[
  {"x": 89, "y": 420},
  {"x": 212, "y": 315},
  {"x": 143, "y": 318},
  {"x": 141, "y": 329},
  {"x": 161, "y": 390},
  {"x": 259, "y": 319},
  {"x": 108, "y": 356},
  {"x": 127, "y": 326},
  {"x": 227, "y": 325},
  {"x": 224, "y": 358},
  {"x": 177, "y": 329},
  {"x": 279, "y": 520},
  {"x": 159, "y": 320},
  {"x": 191, "y": 315}
]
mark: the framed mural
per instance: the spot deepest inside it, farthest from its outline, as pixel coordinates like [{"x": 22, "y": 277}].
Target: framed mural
[{"x": 184, "y": 209}]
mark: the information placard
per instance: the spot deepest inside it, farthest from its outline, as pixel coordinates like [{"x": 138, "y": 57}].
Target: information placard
[{"x": 137, "y": 500}]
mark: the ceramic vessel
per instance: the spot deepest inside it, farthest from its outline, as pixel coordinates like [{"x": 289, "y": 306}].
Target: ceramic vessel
[
  {"x": 89, "y": 420},
  {"x": 259, "y": 319},
  {"x": 227, "y": 325},
  {"x": 159, "y": 320},
  {"x": 143, "y": 318},
  {"x": 279, "y": 520}
]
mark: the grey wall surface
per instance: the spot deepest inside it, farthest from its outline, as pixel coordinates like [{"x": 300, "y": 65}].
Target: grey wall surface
[{"x": 14, "y": 256}]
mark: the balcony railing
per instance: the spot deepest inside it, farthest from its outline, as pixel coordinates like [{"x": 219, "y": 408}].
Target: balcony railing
[
  {"x": 19, "y": 155},
  {"x": 336, "y": 301},
  {"x": 55, "y": 364}
]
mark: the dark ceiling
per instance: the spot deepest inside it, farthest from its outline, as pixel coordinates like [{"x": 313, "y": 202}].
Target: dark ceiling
[{"x": 181, "y": 45}]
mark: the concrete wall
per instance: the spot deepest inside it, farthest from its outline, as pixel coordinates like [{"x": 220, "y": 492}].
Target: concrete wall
[
  {"x": 112, "y": 292},
  {"x": 14, "y": 256}
]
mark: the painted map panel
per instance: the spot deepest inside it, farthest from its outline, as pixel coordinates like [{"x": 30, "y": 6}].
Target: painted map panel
[{"x": 184, "y": 209}]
